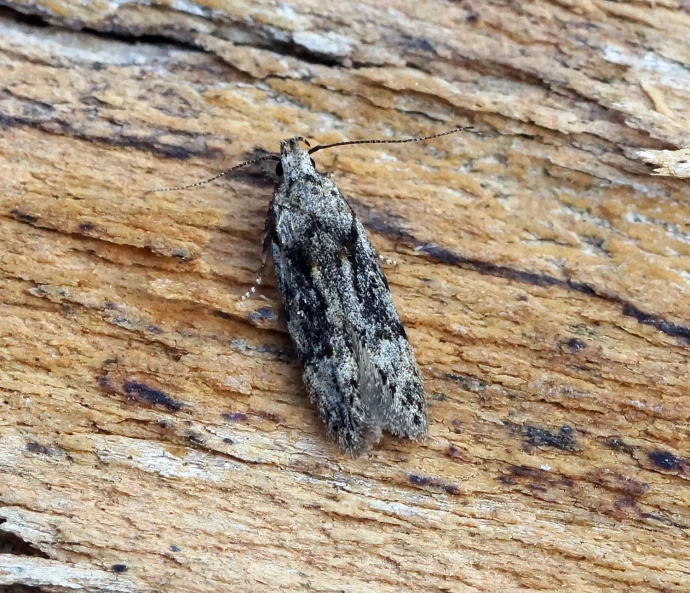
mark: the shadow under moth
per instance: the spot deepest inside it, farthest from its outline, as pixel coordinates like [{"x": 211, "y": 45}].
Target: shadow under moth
[{"x": 358, "y": 367}]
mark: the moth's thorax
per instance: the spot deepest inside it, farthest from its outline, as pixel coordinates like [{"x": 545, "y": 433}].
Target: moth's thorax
[{"x": 295, "y": 161}]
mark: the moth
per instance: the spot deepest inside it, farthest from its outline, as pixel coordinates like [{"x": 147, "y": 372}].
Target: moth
[{"x": 358, "y": 367}]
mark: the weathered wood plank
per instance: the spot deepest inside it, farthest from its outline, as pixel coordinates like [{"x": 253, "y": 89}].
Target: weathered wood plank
[{"x": 155, "y": 434}]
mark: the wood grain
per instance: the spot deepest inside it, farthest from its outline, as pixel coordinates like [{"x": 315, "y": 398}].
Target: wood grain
[{"x": 154, "y": 431}]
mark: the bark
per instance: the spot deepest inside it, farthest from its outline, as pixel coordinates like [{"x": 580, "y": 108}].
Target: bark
[{"x": 154, "y": 431}]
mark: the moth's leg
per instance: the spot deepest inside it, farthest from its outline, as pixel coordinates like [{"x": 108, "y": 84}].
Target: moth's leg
[
  {"x": 390, "y": 262},
  {"x": 266, "y": 246}
]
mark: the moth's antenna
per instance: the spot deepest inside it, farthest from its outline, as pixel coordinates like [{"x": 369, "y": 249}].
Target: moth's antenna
[
  {"x": 270, "y": 157},
  {"x": 404, "y": 140}
]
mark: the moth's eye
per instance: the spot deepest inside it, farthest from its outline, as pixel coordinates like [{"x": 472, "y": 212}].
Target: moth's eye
[
  {"x": 279, "y": 169},
  {"x": 313, "y": 164}
]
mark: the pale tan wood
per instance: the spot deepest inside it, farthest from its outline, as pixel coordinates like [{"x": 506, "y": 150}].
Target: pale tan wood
[
  {"x": 671, "y": 163},
  {"x": 155, "y": 434}
]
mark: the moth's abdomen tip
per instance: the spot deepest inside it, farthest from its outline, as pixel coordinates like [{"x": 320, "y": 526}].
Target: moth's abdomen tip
[{"x": 358, "y": 443}]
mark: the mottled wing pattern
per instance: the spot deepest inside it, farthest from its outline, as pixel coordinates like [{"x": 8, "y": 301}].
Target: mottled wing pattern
[{"x": 359, "y": 369}]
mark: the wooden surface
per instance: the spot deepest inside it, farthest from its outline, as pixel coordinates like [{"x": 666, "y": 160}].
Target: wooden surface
[{"x": 155, "y": 434}]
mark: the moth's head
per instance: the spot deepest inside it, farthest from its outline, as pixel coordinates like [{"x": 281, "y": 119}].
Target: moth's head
[{"x": 294, "y": 161}]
